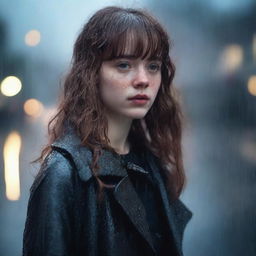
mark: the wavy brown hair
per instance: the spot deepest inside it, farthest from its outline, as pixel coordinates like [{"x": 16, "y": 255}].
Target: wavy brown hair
[{"x": 104, "y": 37}]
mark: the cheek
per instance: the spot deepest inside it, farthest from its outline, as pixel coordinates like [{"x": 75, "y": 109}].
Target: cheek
[
  {"x": 156, "y": 84},
  {"x": 114, "y": 81},
  {"x": 111, "y": 89}
]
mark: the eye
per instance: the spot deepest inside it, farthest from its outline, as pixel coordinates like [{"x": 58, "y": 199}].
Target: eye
[
  {"x": 123, "y": 66},
  {"x": 154, "y": 67}
]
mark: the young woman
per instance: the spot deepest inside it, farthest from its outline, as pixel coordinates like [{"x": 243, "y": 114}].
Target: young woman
[{"x": 112, "y": 173}]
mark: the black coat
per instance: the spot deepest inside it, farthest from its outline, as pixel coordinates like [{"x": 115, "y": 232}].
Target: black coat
[{"x": 64, "y": 218}]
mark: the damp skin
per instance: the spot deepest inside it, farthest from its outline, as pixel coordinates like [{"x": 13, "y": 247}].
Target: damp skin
[{"x": 125, "y": 77}]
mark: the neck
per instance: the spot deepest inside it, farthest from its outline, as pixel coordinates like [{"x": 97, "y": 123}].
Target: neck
[{"x": 118, "y": 130}]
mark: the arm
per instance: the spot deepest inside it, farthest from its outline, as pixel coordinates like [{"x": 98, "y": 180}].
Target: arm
[{"x": 49, "y": 224}]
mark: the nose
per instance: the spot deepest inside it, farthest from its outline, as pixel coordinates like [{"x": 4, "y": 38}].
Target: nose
[{"x": 141, "y": 79}]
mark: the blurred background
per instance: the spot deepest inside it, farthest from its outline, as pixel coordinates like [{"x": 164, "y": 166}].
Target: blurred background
[{"x": 214, "y": 49}]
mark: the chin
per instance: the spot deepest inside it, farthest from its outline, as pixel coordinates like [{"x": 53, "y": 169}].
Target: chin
[{"x": 138, "y": 114}]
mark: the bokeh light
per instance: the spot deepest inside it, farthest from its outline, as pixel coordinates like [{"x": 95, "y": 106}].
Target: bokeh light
[
  {"x": 252, "y": 85},
  {"x": 33, "y": 38},
  {"x": 11, "y": 165},
  {"x": 231, "y": 58},
  {"x": 33, "y": 107},
  {"x": 11, "y": 86}
]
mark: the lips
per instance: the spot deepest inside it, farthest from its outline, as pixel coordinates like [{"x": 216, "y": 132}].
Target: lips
[
  {"x": 139, "y": 100},
  {"x": 139, "y": 97}
]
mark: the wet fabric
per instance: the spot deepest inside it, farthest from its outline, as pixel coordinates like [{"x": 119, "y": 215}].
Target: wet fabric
[
  {"x": 148, "y": 193},
  {"x": 65, "y": 217}
]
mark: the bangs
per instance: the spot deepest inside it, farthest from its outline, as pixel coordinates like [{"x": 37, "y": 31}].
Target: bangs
[{"x": 134, "y": 36}]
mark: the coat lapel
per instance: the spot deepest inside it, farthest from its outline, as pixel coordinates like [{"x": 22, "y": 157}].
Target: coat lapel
[
  {"x": 124, "y": 192},
  {"x": 128, "y": 199}
]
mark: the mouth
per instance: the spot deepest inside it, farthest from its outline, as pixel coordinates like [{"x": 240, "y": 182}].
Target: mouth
[{"x": 139, "y": 97}]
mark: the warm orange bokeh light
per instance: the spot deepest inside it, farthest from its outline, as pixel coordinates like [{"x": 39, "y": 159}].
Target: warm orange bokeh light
[
  {"x": 11, "y": 165},
  {"x": 33, "y": 38},
  {"x": 33, "y": 107},
  {"x": 252, "y": 85},
  {"x": 231, "y": 58}
]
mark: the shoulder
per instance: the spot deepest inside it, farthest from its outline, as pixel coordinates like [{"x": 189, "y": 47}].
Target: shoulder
[
  {"x": 79, "y": 156},
  {"x": 51, "y": 207},
  {"x": 56, "y": 170},
  {"x": 57, "y": 160}
]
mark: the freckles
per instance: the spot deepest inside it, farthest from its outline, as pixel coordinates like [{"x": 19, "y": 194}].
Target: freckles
[{"x": 116, "y": 81}]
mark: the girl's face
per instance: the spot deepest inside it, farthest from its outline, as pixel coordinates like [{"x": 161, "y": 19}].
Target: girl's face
[{"x": 129, "y": 85}]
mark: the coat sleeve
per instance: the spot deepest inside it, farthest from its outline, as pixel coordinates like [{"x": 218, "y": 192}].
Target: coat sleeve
[{"x": 49, "y": 224}]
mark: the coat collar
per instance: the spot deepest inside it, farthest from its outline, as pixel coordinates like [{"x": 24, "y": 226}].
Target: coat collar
[{"x": 110, "y": 163}]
